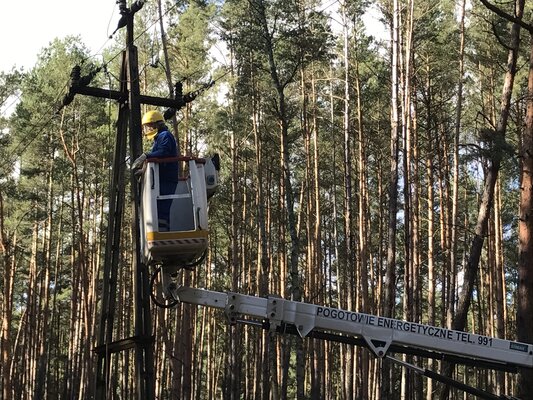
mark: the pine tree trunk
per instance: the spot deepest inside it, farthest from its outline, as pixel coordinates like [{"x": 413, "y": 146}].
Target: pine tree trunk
[
  {"x": 408, "y": 181},
  {"x": 44, "y": 296},
  {"x": 458, "y": 119},
  {"x": 363, "y": 264},
  {"x": 491, "y": 175},
  {"x": 6, "y": 307},
  {"x": 497, "y": 274},
  {"x": 431, "y": 299},
  {"x": 348, "y": 267},
  {"x": 317, "y": 264},
  {"x": 490, "y": 180},
  {"x": 287, "y": 183},
  {"x": 236, "y": 204},
  {"x": 390, "y": 275},
  {"x": 168, "y": 74},
  {"x": 525, "y": 232}
]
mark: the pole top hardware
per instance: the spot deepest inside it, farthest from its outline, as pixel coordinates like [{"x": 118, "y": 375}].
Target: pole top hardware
[{"x": 126, "y": 13}]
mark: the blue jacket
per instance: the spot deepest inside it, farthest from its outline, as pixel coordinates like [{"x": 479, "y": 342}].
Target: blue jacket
[{"x": 165, "y": 146}]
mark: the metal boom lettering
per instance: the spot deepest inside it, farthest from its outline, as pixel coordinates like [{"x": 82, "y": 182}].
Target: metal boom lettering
[{"x": 404, "y": 326}]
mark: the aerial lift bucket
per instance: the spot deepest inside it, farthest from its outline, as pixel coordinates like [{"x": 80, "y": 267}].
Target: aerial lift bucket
[{"x": 183, "y": 242}]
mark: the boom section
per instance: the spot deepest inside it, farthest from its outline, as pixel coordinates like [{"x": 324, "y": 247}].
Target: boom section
[{"x": 378, "y": 332}]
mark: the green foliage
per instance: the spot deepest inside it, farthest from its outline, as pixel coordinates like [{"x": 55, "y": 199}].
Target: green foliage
[
  {"x": 57, "y": 166},
  {"x": 190, "y": 38}
]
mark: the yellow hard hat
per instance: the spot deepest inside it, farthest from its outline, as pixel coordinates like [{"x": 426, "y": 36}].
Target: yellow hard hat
[{"x": 152, "y": 116}]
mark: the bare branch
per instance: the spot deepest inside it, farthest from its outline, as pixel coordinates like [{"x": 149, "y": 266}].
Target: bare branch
[
  {"x": 498, "y": 38},
  {"x": 509, "y": 17}
]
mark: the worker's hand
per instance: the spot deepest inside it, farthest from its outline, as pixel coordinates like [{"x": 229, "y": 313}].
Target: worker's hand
[{"x": 138, "y": 162}]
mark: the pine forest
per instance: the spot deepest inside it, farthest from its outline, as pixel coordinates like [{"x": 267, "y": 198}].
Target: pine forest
[{"x": 376, "y": 156}]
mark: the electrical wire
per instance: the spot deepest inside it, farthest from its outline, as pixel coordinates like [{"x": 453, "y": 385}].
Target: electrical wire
[
  {"x": 37, "y": 129},
  {"x": 39, "y": 126},
  {"x": 16, "y": 98},
  {"x": 142, "y": 33},
  {"x": 109, "y": 24},
  {"x": 97, "y": 52},
  {"x": 326, "y": 6},
  {"x": 44, "y": 123}
]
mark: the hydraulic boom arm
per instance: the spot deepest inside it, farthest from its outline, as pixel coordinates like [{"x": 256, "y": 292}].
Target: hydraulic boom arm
[{"x": 379, "y": 333}]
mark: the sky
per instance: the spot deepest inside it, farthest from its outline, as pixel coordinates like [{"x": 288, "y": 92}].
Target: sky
[{"x": 26, "y": 27}]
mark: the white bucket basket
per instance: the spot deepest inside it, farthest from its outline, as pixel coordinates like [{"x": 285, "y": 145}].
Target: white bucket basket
[{"x": 185, "y": 241}]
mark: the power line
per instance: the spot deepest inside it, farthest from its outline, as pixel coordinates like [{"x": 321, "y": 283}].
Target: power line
[
  {"x": 37, "y": 129},
  {"x": 44, "y": 123},
  {"x": 16, "y": 98},
  {"x": 142, "y": 33}
]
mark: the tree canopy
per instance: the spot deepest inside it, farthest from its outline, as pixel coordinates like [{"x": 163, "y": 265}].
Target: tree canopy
[{"x": 317, "y": 114}]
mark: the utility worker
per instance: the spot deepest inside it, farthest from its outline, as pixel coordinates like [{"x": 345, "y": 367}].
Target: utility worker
[{"x": 164, "y": 146}]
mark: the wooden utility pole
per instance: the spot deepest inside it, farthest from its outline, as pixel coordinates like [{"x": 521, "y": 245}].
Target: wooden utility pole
[
  {"x": 129, "y": 115},
  {"x": 142, "y": 341}
]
